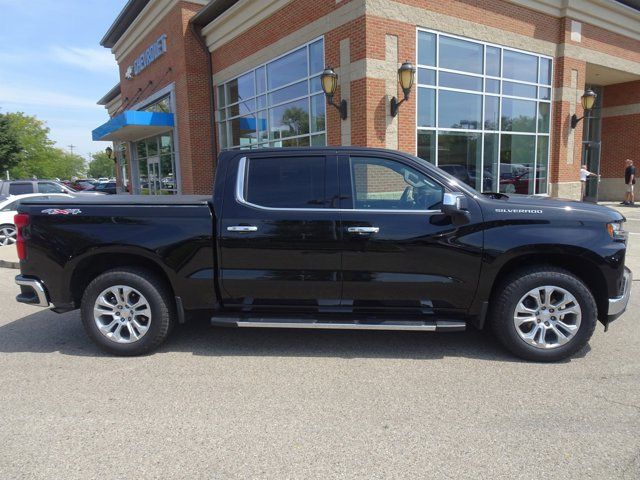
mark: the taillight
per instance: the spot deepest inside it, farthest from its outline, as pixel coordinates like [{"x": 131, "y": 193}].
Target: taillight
[{"x": 21, "y": 220}]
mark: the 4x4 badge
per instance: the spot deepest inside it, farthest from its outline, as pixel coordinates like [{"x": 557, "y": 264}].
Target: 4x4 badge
[{"x": 60, "y": 211}]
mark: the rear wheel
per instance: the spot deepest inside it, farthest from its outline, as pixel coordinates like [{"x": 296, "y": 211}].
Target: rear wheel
[
  {"x": 127, "y": 311},
  {"x": 7, "y": 235},
  {"x": 544, "y": 314}
]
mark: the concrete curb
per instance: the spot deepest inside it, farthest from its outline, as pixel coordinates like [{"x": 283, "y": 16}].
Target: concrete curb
[{"x": 6, "y": 264}]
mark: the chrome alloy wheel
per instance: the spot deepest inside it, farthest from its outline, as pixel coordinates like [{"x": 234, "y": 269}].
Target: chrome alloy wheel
[
  {"x": 122, "y": 314},
  {"x": 547, "y": 317},
  {"x": 7, "y": 235}
]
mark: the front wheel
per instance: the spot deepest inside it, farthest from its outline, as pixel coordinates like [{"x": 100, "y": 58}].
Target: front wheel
[
  {"x": 545, "y": 314},
  {"x": 127, "y": 311}
]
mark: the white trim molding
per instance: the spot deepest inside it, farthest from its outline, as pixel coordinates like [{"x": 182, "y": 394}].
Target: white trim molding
[
  {"x": 239, "y": 18},
  {"x": 149, "y": 18},
  {"x": 607, "y": 14}
]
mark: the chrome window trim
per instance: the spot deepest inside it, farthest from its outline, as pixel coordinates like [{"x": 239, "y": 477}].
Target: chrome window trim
[{"x": 239, "y": 194}]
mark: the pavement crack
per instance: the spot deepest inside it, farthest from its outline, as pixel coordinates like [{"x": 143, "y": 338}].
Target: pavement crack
[{"x": 637, "y": 407}]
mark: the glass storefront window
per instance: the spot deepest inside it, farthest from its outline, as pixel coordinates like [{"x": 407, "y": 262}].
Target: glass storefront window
[
  {"x": 278, "y": 104},
  {"x": 458, "y": 54},
  {"x": 460, "y": 154},
  {"x": 459, "y": 110},
  {"x": 156, "y": 166},
  {"x": 483, "y": 112}
]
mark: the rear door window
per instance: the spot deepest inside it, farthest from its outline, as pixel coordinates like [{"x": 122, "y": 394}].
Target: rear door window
[
  {"x": 20, "y": 188},
  {"x": 286, "y": 182}
]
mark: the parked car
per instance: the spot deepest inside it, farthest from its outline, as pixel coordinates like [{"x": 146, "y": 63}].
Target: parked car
[
  {"x": 8, "y": 207},
  {"x": 342, "y": 238},
  {"x": 107, "y": 187},
  {"x": 21, "y": 187}
]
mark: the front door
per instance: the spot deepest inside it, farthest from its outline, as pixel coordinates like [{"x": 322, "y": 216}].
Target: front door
[
  {"x": 154, "y": 178},
  {"x": 280, "y": 243},
  {"x": 401, "y": 254}
]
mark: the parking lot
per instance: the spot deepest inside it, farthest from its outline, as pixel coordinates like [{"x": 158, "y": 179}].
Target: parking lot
[{"x": 222, "y": 403}]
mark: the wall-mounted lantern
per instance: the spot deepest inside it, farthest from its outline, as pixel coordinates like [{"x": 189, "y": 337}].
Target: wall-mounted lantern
[
  {"x": 406, "y": 74},
  {"x": 109, "y": 152},
  {"x": 329, "y": 80},
  {"x": 588, "y": 100}
]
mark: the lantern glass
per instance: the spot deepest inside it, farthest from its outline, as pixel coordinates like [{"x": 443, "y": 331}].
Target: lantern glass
[
  {"x": 588, "y": 99},
  {"x": 329, "y": 80},
  {"x": 406, "y": 75}
]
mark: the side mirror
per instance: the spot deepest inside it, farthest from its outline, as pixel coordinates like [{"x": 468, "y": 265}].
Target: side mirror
[{"x": 455, "y": 205}]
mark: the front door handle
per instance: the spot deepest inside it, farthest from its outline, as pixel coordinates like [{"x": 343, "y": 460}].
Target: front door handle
[
  {"x": 363, "y": 230},
  {"x": 242, "y": 228}
]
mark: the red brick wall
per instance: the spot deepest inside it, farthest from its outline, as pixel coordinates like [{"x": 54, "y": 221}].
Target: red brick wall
[
  {"x": 185, "y": 64},
  {"x": 620, "y": 134}
]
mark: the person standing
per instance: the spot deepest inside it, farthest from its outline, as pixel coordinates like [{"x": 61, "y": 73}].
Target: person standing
[
  {"x": 629, "y": 182},
  {"x": 584, "y": 175}
]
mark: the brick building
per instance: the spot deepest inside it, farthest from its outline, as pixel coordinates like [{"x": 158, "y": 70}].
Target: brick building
[{"x": 496, "y": 85}]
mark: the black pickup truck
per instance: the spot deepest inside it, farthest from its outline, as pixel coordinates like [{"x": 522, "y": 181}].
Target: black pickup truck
[{"x": 338, "y": 238}]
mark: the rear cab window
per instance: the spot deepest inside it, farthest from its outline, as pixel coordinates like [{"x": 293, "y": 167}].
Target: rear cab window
[
  {"x": 296, "y": 182},
  {"x": 20, "y": 188}
]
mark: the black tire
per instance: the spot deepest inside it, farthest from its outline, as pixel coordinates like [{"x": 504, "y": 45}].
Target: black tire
[
  {"x": 158, "y": 296},
  {"x": 512, "y": 289}
]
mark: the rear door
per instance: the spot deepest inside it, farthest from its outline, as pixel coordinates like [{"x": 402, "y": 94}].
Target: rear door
[
  {"x": 280, "y": 242},
  {"x": 400, "y": 252}
]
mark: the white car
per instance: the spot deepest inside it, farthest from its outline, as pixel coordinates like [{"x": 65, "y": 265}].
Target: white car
[{"x": 8, "y": 207}]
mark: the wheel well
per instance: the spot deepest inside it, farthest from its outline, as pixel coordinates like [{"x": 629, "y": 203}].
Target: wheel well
[
  {"x": 579, "y": 266},
  {"x": 95, "y": 265}
]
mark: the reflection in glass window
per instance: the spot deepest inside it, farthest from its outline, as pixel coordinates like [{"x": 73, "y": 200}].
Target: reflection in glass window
[
  {"x": 520, "y": 66},
  {"x": 383, "y": 184},
  {"x": 289, "y": 120},
  {"x": 155, "y": 161},
  {"x": 519, "y": 89},
  {"x": 491, "y": 112},
  {"x": 426, "y": 76},
  {"x": 517, "y": 167},
  {"x": 426, "y": 107},
  {"x": 457, "y": 54},
  {"x": 493, "y": 61},
  {"x": 459, "y": 110},
  {"x": 516, "y": 98},
  {"x": 427, "y": 145},
  {"x": 460, "y": 155},
  {"x": 426, "y": 48},
  {"x": 462, "y": 82},
  {"x": 287, "y": 69},
  {"x": 518, "y": 115},
  {"x": 286, "y": 182},
  {"x": 282, "y": 107}
]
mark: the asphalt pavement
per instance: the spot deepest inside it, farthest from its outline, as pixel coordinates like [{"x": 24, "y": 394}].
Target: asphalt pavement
[{"x": 219, "y": 403}]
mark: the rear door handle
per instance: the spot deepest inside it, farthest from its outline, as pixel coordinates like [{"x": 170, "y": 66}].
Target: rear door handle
[
  {"x": 363, "y": 230},
  {"x": 242, "y": 228}
]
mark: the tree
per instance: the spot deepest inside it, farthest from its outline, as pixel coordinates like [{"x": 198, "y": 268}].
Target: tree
[
  {"x": 9, "y": 145},
  {"x": 101, "y": 165},
  {"x": 38, "y": 157}
]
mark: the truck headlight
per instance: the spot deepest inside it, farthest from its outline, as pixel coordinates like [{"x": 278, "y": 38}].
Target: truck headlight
[{"x": 616, "y": 231}]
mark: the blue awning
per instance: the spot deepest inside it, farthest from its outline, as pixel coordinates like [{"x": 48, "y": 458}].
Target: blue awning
[{"x": 132, "y": 125}]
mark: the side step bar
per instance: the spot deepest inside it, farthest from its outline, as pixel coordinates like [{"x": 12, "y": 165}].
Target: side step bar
[{"x": 396, "y": 325}]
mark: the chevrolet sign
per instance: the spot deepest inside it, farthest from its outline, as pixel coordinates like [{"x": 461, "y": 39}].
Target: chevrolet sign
[{"x": 150, "y": 55}]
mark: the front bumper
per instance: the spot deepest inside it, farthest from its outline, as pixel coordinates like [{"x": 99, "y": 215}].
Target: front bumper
[
  {"x": 618, "y": 305},
  {"x": 32, "y": 292}
]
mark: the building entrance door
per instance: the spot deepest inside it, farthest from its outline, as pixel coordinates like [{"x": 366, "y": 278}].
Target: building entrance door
[
  {"x": 591, "y": 157},
  {"x": 153, "y": 169}
]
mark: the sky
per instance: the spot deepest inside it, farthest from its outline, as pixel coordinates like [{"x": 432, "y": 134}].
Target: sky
[{"x": 52, "y": 65}]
